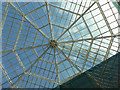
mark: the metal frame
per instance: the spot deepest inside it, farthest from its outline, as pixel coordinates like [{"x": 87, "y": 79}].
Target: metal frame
[{"x": 58, "y": 50}]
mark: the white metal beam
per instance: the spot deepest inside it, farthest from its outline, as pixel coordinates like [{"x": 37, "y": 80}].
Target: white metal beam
[
  {"x": 74, "y": 22},
  {"x": 43, "y": 59},
  {"x": 50, "y": 23},
  {"x": 87, "y": 27},
  {"x": 31, "y": 47},
  {"x": 38, "y": 59},
  {"x": 35, "y": 10},
  {"x": 108, "y": 25},
  {"x": 29, "y": 21},
  {"x": 69, "y": 59},
  {"x": 19, "y": 33},
  {"x": 59, "y": 26},
  {"x": 20, "y": 62},
  {"x": 108, "y": 49},
  {"x": 35, "y": 38},
  {"x": 89, "y": 39},
  {"x": 64, "y": 9},
  {"x": 30, "y": 66},
  {"x": 7, "y": 76},
  {"x": 18, "y": 79},
  {"x": 41, "y": 77},
  {"x": 56, "y": 64},
  {"x": 84, "y": 63},
  {"x": 5, "y": 14}
]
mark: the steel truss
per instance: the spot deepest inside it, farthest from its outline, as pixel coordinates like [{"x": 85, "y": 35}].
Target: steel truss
[{"x": 57, "y": 48}]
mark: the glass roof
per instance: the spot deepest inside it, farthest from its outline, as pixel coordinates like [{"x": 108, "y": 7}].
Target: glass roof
[{"x": 44, "y": 44}]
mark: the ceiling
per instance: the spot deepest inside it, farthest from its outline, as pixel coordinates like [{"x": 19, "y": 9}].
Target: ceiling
[{"x": 44, "y": 44}]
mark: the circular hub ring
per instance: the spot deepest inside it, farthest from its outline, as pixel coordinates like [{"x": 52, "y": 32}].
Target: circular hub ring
[{"x": 53, "y": 43}]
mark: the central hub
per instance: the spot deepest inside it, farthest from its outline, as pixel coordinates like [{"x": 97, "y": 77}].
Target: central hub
[{"x": 53, "y": 43}]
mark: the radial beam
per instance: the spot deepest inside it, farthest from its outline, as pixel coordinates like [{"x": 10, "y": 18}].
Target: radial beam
[
  {"x": 108, "y": 49},
  {"x": 20, "y": 62},
  {"x": 69, "y": 60},
  {"x": 19, "y": 33},
  {"x": 5, "y": 14},
  {"x": 74, "y": 22},
  {"x": 105, "y": 57},
  {"x": 95, "y": 38},
  {"x": 31, "y": 47},
  {"x": 38, "y": 59},
  {"x": 12, "y": 78},
  {"x": 30, "y": 66},
  {"x": 41, "y": 77},
  {"x": 84, "y": 63},
  {"x": 6, "y": 75},
  {"x": 18, "y": 79},
  {"x": 36, "y": 28},
  {"x": 83, "y": 55},
  {"x": 29, "y": 20},
  {"x": 50, "y": 23},
  {"x": 35, "y": 38},
  {"x": 87, "y": 27},
  {"x": 108, "y": 25},
  {"x": 56, "y": 64},
  {"x": 42, "y": 59}
]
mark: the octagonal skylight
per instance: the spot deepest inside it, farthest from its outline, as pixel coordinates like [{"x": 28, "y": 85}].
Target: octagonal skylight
[{"x": 47, "y": 43}]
